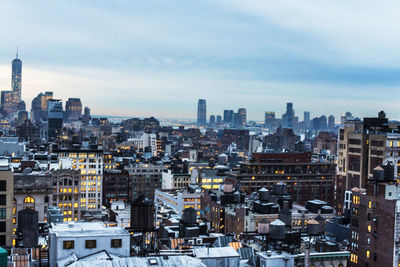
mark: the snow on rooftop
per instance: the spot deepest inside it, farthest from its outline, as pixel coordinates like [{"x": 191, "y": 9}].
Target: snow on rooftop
[{"x": 85, "y": 228}]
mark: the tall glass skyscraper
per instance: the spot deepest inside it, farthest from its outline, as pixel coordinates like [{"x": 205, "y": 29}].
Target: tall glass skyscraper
[
  {"x": 16, "y": 80},
  {"x": 201, "y": 113}
]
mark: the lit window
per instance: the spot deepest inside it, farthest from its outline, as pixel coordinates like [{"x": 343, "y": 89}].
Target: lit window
[
  {"x": 29, "y": 200},
  {"x": 369, "y": 204},
  {"x": 68, "y": 244},
  {"x": 369, "y": 228},
  {"x": 367, "y": 253}
]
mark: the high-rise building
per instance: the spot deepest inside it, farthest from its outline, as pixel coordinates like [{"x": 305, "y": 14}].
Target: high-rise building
[
  {"x": 289, "y": 118},
  {"x": 307, "y": 118},
  {"x": 212, "y": 121},
  {"x": 86, "y": 115},
  {"x": 269, "y": 120},
  {"x": 201, "y": 113},
  {"x": 364, "y": 145},
  {"x": 219, "y": 119},
  {"x": 242, "y": 116},
  {"x": 39, "y": 106},
  {"x": 73, "y": 109},
  {"x": 331, "y": 122},
  {"x": 228, "y": 116},
  {"x": 323, "y": 122},
  {"x": 6, "y": 101},
  {"x": 16, "y": 81},
  {"x": 54, "y": 119}
]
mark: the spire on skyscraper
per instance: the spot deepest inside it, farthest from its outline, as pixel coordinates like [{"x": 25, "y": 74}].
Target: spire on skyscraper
[{"x": 17, "y": 53}]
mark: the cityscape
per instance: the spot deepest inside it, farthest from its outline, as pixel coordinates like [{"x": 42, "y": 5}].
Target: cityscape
[{"x": 185, "y": 177}]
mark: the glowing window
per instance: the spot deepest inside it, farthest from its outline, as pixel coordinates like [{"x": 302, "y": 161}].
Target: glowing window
[{"x": 29, "y": 200}]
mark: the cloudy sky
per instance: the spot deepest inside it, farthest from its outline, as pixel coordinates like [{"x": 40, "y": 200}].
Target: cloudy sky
[{"x": 140, "y": 58}]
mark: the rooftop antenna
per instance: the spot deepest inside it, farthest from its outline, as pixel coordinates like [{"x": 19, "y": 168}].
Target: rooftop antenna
[{"x": 17, "y": 52}]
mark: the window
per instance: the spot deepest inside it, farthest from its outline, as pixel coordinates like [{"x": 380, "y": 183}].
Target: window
[
  {"x": 90, "y": 243},
  {"x": 3, "y": 185},
  {"x": 369, "y": 204},
  {"x": 367, "y": 253},
  {"x": 369, "y": 228},
  {"x": 3, "y": 200},
  {"x": 2, "y": 213},
  {"x": 69, "y": 244},
  {"x": 116, "y": 243},
  {"x": 2, "y": 227},
  {"x": 29, "y": 200}
]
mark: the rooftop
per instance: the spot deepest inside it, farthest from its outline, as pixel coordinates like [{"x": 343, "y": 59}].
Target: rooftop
[{"x": 72, "y": 229}]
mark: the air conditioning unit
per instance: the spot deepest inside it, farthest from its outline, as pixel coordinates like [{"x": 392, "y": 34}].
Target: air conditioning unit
[
  {"x": 199, "y": 241},
  {"x": 191, "y": 242}
]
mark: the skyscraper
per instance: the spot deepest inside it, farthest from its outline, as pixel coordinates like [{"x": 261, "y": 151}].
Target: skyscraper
[
  {"x": 243, "y": 116},
  {"x": 86, "y": 115},
  {"x": 331, "y": 122},
  {"x": 54, "y": 119},
  {"x": 201, "y": 113},
  {"x": 228, "y": 116},
  {"x": 307, "y": 117},
  {"x": 212, "y": 121},
  {"x": 16, "y": 81},
  {"x": 269, "y": 119},
  {"x": 289, "y": 115},
  {"x": 323, "y": 122},
  {"x": 39, "y": 106},
  {"x": 73, "y": 109}
]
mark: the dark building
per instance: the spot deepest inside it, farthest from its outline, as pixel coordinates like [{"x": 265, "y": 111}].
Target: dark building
[
  {"x": 269, "y": 120},
  {"x": 331, "y": 122},
  {"x": 212, "y": 121},
  {"x": 142, "y": 214},
  {"x": 288, "y": 119},
  {"x": 242, "y": 113},
  {"x": 284, "y": 139},
  {"x": 239, "y": 136},
  {"x": 305, "y": 180},
  {"x": 201, "y": 113},
  {"x": 55, "y": 119},
  {"x": 73, "y": 109},
  {"x": 375, "y": 220},
  {"x": 115, "y": 186},
  {"x": 6, "y": 101},
  {"x": 307, "y": 118},
  {"x": 86, "y": 115},
  {"x": 228, "y": 116},
  {"x": 144, "y": 179},
  {"x": 27, "y": 132},
  {"x": 323, "y": 121}
]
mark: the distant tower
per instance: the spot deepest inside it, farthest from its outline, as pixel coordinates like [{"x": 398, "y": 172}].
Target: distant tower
[
  {"x": 289, "y": 115},
  {"x": 212, "y": 121},
  {"x": 16, "y": 80},
  {"x": 54, "y": 119},
  {"x": 331, "y": 122},
  {"x": 201, "y": 113},
  {"x": 243, "y": 116}
]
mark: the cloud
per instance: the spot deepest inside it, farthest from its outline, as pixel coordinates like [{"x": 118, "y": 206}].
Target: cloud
[{"x": 157, "y": 58}]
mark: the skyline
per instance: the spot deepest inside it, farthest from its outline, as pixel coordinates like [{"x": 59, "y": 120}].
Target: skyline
[{"x": 252, "y": 55}]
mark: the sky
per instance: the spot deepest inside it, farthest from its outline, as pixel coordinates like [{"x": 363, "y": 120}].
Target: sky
[{"x": 157, "y": 58}]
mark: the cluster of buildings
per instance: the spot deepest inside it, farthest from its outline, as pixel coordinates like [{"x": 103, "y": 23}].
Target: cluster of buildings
[{"x": 82, "y": 191}]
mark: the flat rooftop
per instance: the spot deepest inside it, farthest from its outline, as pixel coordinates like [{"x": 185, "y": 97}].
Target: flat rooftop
[{"x": 73, "y": 229}]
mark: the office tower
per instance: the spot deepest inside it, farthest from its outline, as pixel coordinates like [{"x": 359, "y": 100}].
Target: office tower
[
  {"x": 219, "y": 119},
  {"x": 307, "y": 118},
  {"x": 242, "y": 117},
  {"x": 269, "y": 120},
  {"x": 323, "y": 122},
  {"x": 316, "y": 123},
  {"x": 331, "y": 122},
  {"x": 228, "y": 116},
  {"x": 212, "y": 121},
  {"x": 16, "y": 81},
  {"x": 288, "y": 117},
  {"x": 201, "y": 113},
  {"x": 39, "y": 106},
  {"x": 86, "y": 115},
  {"x": 6, "y": 101},
  {"x": 54, "y": 119},
  {"x": 6, "y": 204},
  {"x": 73, "y": 109}
]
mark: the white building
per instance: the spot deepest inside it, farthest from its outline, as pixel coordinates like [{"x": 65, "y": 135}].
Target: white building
[
  {"x": 122, "y": 213},
  {"x": 90, "y": 163},
  {"x": 178, "y": 200},
  {"x": 85, "y": 238},
  {"x": 146, "y": 140}
]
